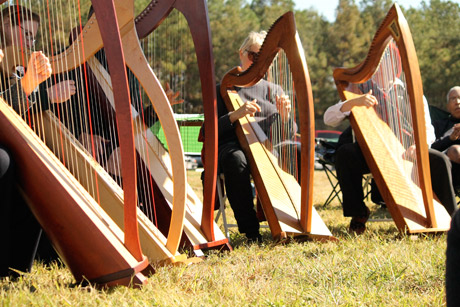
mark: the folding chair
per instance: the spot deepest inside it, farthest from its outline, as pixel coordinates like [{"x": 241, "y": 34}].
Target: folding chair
[
  {"x": 325, "y": 152},
  {"x": 222, "y": 198}
]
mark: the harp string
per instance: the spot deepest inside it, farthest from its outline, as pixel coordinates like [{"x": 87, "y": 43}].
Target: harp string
[
  {"x": 170, "y": 52},
  {"x": 388, "y": 84},
  {"x": 279, "y": 135},
  {"x": 77, "y": 114}
]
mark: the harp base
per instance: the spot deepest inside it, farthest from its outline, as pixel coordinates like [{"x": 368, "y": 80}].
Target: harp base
[
  {"x": 288, "y": 237},
  {"x": 132, "y": 277},
  {"x": 221, "y": 245}
]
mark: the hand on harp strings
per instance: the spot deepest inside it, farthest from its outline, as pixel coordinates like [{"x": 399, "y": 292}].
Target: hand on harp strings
[
  {"x": 367, "y": 100},
  {"x": 172, "y": 97},
  {"x": 248, "y": 108},
  {"x": 283, "y": 105},
  {"x": 39, "y": 69},
  {"x": 62, "y": 91}
]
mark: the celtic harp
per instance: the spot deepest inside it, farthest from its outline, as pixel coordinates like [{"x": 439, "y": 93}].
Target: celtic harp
[
  {"x": 171, "y": 18},
  {"x": 269, "y": 143},
  {"x": 100, "y": 94},
  {"x": 386, "y": 132},
  {"x": 93, "y": 247}
]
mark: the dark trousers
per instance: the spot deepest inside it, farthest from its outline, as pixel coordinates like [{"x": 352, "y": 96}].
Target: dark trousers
[
  {"x": 453, "y": 263},
  {"x": 19, "y": 229},
  {"x": 441, "y": 179},
  {"x": 235, "y": 167},
  {"x": 456, "y": 174},
  {"x": 351, "y": 166}
]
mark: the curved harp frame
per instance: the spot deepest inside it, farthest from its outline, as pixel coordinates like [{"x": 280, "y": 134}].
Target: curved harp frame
[
  {"x": 63, "y": 206},
  {"x": 208, "y": 235},
  {"x": 87, "y": 41},
  {"x": 395, "y": 26},
  {"x": 305, "y": 220}
]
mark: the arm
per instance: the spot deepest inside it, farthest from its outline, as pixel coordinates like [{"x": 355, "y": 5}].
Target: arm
[
  {"x": 446, "y": 135},
  {"x": 430, "y": 137},
  {"x": 335, "y": 114}
]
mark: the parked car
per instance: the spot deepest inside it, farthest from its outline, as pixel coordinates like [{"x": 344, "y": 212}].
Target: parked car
[
  {"x": 321, "y": 136},
  {"x": 328, "y": 135}
]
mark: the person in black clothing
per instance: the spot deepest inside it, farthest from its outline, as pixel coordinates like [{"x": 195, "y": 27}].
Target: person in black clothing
[
  {"x": 21, "y": 232},
  {"x": 447, "y": 133},
  {"x": 453, "y": 263},
  {"x": 267, "y": 103},
  {"x": 351, "y": 164},
  {"x": 26, "y": 91}
]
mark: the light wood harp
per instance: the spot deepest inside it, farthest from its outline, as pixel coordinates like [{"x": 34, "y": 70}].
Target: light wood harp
[
  {"x": 386, "y": 132},
  {"x": 287, "y": 205}
]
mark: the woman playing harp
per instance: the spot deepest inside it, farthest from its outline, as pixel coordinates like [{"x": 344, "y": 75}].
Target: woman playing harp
[
  {"x": 257, "y": 137},
  {"x": 391, "y": 123}
]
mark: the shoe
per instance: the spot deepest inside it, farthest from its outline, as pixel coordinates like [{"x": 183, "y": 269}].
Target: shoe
[
  {"x": 254, "y": 239},
  {"x": 358, "y": 223}
]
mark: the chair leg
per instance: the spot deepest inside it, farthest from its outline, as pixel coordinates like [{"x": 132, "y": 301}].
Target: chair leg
[
  {"x": 335, "y": 193},
  {"x": 222, "y": 199}
]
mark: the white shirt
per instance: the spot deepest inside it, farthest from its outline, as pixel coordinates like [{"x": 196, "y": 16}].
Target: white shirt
[{"x": 334, "y": 116}]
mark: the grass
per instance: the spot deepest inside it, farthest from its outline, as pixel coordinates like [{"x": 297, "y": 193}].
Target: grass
[{"x": 379, "y": 268}]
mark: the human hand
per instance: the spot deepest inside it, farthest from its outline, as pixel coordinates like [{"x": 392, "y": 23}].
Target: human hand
[
  {"x": 99, "y": 145},
  {"x": 1, "y": 55},
  {"x": 172, "y": 97},
  {"x": 368, "y": 100},
  {"x": 455, "y": 135},
  {"x": 38, "y": 70},
  {"x": 113, "y": 163},
  {"x": 283, "y": 105},
  {"x": 248, "y": 108},
  {"x": 410, "y": 153},
  {"x": 61, "y": 91}
]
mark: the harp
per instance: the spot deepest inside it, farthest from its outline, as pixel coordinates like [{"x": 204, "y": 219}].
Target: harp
[
  {"x": 87, "y": 239},
  {"x": 288, "y": 205},
  {"x": 200, "y": 229},
  {"x": 385, "y": 132}
]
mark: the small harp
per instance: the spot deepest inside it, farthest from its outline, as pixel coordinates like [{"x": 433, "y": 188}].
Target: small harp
[
  {"x": 287, "y": 205},
  {"x": 86, "y": 238},
  {"x": 385, "y": 132}
]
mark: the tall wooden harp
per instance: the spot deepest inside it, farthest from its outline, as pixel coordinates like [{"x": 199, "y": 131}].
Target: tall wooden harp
[
  {"x": 157, "y": 246},
  {"x": 165, "y": 19},
  {"x": 385, "y": 132},
  {"x": 85, "y": 236},
  {"x": 288, "y": 205}
]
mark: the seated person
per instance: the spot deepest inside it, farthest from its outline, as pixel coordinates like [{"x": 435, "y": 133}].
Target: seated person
[
  {"x": 351, "y": 165},
  {"x": 20, "y": 89},
  {"x": 232, "y": 161},
  {"x": 447, "y": 133},
  {"x": 21, "y": 30},
  {"x": 21, "y": 232}
]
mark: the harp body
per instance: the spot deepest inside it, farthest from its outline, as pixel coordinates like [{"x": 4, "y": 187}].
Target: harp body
[
  {"x": 86, "y": 238},
  {"x": 287, "y": 205},
  {"x": 201, "y": 232},
  {"x": 411, "y": 204}
]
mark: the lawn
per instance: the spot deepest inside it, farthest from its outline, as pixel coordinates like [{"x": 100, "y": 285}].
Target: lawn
[{"x": 379, "y": 268}]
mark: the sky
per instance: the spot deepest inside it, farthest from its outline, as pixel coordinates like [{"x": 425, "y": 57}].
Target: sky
[{"x": 327, "y": 7}]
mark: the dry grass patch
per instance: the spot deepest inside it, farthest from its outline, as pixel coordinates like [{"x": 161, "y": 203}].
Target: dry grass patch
[{"x": 380, "y": 268}]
